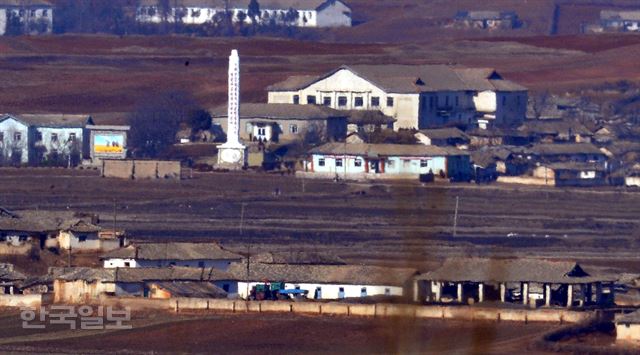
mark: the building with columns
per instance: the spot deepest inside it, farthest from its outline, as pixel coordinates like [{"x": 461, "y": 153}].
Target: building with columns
[
  {"x": 529, "y": 282},
  {"x": 416, "y": 96}
]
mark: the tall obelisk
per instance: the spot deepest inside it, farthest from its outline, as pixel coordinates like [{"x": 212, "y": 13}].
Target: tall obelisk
[{"x": 231, "y": 154}]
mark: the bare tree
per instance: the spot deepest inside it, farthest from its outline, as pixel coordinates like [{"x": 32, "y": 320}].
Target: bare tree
[{"x": 539, "y": 103}]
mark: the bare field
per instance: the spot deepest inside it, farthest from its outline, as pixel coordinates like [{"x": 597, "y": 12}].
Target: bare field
[
  {"x": 399, "y": 224},
  {"x": 106, "y": 74},
  {"x": 287, "y": 334}
]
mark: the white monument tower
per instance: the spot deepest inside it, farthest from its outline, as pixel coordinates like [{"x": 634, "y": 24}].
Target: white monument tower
[{"x": 232, "y": 154}]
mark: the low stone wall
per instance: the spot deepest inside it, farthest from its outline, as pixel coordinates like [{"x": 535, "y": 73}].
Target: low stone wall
[
  {"x": 525, "y": 180},
  {"x": 141, "y": 169},
  {"x": 32, "y": 300},
  {"x": 356, "y": 310}
]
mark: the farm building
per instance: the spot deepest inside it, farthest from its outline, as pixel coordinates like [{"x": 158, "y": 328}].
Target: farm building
[
  {"x": 286, "y": 122},
  {"x": 324, "y": 281},
  {"x": 379, "y": 161},
  {"x": 572, "y": 174},
  {"x": 426, "y": 96},
  {"x": 628, "y": 327},
  {"x": 368, "y": 121},
  {"x": 574, "y": 152},
  {"x": 10, "y": 279},
  {"x": 443, "y": 137},
  {"x": 80, "y": 235},
  {"x": 21, "y": 232},
  {"x": 525, "y": 281},
  {"x": 306, "y": 13},
  {"x": 83, "y": 284},
  {"x": 553, "y": 131},
  {"x": 149, "y": 255},
  {"x": 487, "y": 20},
  {"x": 25, "y": 17}
]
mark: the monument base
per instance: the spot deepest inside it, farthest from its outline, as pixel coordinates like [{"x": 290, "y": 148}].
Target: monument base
[{"x": 232, "y": 157}]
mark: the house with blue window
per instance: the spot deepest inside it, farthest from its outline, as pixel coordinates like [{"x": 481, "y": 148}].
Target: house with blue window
[{"x": 361, "y": 161}]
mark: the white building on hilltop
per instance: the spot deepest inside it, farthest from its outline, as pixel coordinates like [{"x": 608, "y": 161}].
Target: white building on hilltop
[
  {"x": 424, "y": 96},
  {"x": 300, "y": 13}
]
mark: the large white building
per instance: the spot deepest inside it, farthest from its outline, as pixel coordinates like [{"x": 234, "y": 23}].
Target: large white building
[
  {"x": 37, "y": 138},
  {"x": 25, "y": 17},
  {"x": 425, "y": 96},
  {"x": 300, "y": 13}
]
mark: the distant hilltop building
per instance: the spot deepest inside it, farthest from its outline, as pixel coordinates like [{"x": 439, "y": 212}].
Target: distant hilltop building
[
  {"x": 300, "y": 13},
  {"x": 487, "y": 20},
  {"x": 424, "y": 96},
  {"x": 25, "y": 17},
  {"x": 619, "y": 21}
]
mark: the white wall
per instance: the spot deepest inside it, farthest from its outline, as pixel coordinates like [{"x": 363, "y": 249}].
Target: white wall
[
  {"x": 334, "y": 15},
  {"x": 392, "y": 165},
  {"x": 117, "y": 262},
  {"x": 330, "y": 291},
  {"x": 345, "y": 83},
  {"x": 63, "y": 145},
  {"x": 70, "y": 240},
  {"x": 3, "y": 21},
  {"x": 9, "y": 128}
]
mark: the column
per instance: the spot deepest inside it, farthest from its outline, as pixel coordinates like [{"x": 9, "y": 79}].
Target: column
[
  {"x": 416, "y": 294},
  {"x": 480, "y": 292},
  {"x": 569, "y": 295},
  {"x": 460, "y": 292},
  {"x": 438, "y": 291},
  {"x": 381, "y": 162},
  {"x": 525, "y": 292},
  {"x": 503, "y": 292},
  {"x": 598, "y": 293},
  {"x": 547, "y": 295}
]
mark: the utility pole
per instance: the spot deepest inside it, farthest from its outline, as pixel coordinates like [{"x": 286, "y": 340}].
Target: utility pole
[
  {"x": 114, "y": 217},
  {"x": 455, "y": 217}
]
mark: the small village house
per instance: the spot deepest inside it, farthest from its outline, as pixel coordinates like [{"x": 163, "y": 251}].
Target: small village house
[
  {"x": 19, "y": 233},
  {"x": 10, "y": 279},
  {"x": 26, "y": 17},
  {"x": 368, "y": 121},
  {"x": 574, "y": 152},
  {"x": 285, "y": 123},
  {"x": 81, "y": 284},
  {"x": 148, "y": 255},
  {"x": 632, "y": 177},
  {"x": 380, "y": 161},
  {"x": 628, "y": 327},
  {"x": 529, "y": 282},
  {"x": 443, "y": 137},
  {"x": 487, "y": 20},
  {"x": 555, "y": 131},
  {"x": 306, "y": 13},
  {"x": 419, "y": 97},
  {"x": 324, "y": 281},
  {"x": 572, "y": 174},
  {"x": 80, "y": 235}
]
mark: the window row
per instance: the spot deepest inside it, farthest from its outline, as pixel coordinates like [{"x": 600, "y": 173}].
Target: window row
[
  {"x": 17, "y": 137},
  {"x": 358, "y": 101},
  {"x": 248, "y": 128},
  {"x": 424, "y": 163}
]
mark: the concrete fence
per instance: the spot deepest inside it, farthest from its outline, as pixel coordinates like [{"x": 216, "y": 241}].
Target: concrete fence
[
  {"x": 32, "y": 300},
  {"x": 141, "y": 169},
  {"x": 356, "y": 310}
]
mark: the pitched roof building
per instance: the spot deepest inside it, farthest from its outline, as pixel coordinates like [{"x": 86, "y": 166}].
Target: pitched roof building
[
  {"x": 198, "y": 255},
  {"x": 417, "y": 96}
]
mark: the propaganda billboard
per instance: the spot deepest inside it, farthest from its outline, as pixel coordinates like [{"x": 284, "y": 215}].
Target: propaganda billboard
[{"x": 108, "y": 143}]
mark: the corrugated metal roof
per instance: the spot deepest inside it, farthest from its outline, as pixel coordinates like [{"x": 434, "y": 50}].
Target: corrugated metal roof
[
  {"x": 297, "y": 258},
  {"x": 565, "y": 149}
]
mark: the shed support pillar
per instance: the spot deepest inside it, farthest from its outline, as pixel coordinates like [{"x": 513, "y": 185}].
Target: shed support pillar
[
  {"x": 438, "y": 288},
  {"x": 598, "y": 293},
  {"x": 569, "y": 295},
  {"x": 416, "y": 291},
  {"x": 480, "y": 292},
  {"x": 459, "y": 292},
  {"x": 547, "y": 295},
  {"x": 525, "y": 293},
  {"x": 503, "y": 292}
]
